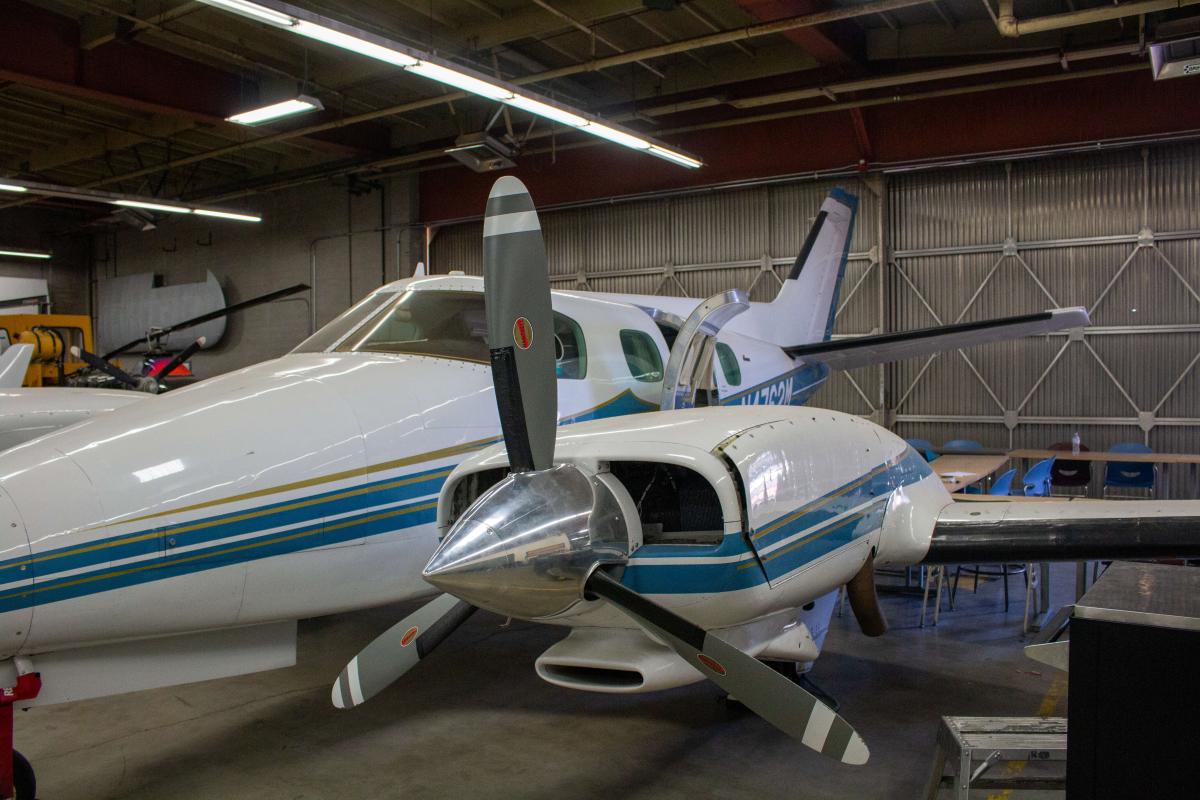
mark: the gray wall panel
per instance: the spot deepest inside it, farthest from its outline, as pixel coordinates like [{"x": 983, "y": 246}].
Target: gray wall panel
[{"x": 1058, "y": 217}]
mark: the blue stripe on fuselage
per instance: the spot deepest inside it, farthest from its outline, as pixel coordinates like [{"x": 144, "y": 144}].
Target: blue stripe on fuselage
[
  {"x": 792, "y": 388},
  {"x": 237, "y": 523},
  {"x": 825, "y": 537}
]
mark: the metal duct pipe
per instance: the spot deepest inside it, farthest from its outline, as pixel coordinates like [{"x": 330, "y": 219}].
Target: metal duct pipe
[{"x": 1008, "y": 25}]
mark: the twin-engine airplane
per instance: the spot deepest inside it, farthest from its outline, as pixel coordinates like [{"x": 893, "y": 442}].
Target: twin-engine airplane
[
  {"x": 689, "y": 544},
  {"x": 179, "y": 539}
]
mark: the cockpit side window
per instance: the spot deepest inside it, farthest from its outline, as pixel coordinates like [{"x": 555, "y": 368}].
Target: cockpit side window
[{"x": 570, "y": 349}]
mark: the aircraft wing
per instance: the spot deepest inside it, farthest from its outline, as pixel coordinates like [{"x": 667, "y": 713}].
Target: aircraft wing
[
  {"x": 1061, "y": 529},
  {"x": 13, "y": 365},
  {"x": 862, "y": 351}
]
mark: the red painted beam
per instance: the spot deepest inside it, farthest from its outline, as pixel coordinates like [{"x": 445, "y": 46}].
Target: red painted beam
[
  {"x": 838, "y": 43},
  {"x": 41, "y": 49},
  {"x": 1111, "y": 107}
]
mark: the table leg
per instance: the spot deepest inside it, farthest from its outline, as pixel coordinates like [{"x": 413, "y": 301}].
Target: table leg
[
  {"x": 1043, "y": 615},
  {"x": 1096, "y": 484},
  {"x": 1080, "y": 578}
]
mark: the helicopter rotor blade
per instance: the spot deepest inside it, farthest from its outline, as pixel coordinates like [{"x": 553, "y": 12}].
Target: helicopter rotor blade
[{"x": 211, "y": 315}]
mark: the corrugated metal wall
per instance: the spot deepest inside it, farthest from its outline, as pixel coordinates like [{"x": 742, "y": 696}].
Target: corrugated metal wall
[{"x": 1117, "y": 232}]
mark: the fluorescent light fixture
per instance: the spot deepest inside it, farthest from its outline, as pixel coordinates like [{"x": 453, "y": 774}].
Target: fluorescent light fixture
[
  {"x": 461, "y": 80},
  {"x": 354, "y": 43},
  {"x": 153, "y": 206},
  {"x": 24, "y": 253},
  {"x": 12, "y": 187},
  {"x": 285, "y": 108},
  {"x": 553, "y": 113},
  {"x": 678, "y": 158},
  {"x": 619, "y": 137},
  {"x": 255, "y": 11},
  {"x": 208, "y": 212},
  {"x": 315, "y": 26}
]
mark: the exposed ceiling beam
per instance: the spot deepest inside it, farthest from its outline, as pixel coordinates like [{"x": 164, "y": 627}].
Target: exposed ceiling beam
[
  {"x": 105, "y": 25},
  {"x": 833, "y": 44},
  {"x": 592, "y": 32},
  {"x": 710, "y": 40},
  {"x": 532, "y": 22},
  {"x": 94, "y": 145}
]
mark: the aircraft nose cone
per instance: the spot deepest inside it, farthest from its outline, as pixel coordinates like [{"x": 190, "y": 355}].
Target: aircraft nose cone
[
  {"x": 466, "y": 565},
  {"x": 525, "y": 548}
]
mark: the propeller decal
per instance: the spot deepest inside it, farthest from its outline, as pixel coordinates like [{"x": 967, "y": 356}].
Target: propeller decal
[{"x": 523, "y": 333}]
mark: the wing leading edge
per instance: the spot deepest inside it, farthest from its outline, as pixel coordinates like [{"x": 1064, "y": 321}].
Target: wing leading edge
[
  {"x": 1065, "y": 530},
  {"x": 862, "y": 351}
]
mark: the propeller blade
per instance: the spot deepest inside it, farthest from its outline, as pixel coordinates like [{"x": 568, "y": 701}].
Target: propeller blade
[
  {"x": 864, "y": 601},
  {"x": 398, "y": 649},
  {"x": 520, "y": 325},
  {"x": 187, "y": 352},
  {"x": 96, "y": 362},
  {"x": 211, "y": 315},
  {"x": 764, "y": 691}
]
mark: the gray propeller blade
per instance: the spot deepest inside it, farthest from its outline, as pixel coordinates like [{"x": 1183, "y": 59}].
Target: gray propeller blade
[
  {"x": 520, "y": 325},
  {"x": 398, "y": 649},
  {"x": 761, "y": 689}
]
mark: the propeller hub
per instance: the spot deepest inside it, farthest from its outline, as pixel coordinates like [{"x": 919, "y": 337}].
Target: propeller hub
[{"x": 525, "y": 548}]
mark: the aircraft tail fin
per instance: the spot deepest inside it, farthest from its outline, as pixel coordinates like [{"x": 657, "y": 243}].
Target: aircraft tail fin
[
  {"x": 808, "y": 299},
  {"x": 13, "y": 365}
]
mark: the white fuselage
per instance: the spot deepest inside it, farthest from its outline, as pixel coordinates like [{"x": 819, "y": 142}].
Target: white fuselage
[{"x": 297, "y": 487}]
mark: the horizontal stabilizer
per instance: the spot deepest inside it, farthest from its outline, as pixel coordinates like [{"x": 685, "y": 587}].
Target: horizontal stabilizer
[
  {"x": 1065, "y": 530},
  {"x": 862, "y": 351}
]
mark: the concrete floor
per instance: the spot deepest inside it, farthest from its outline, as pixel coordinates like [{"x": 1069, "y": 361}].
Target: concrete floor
[{"x": 475, "y": 721}]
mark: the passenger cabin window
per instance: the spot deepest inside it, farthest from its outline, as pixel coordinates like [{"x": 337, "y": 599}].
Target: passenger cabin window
[
  {"x": 642, "y": 356},
  {"x": 729, "y": 364},
  {"x": 442, "y": 324},
  {"x": 570, "y": 350}
]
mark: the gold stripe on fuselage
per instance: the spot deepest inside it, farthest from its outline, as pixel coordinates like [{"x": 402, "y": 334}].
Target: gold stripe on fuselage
[
  {"x": 260, "y": 512},
  {"x": 820, "y": 501}
]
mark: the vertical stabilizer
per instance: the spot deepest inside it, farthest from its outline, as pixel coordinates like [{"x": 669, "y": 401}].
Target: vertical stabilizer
[{"x": 804, "y": 309}]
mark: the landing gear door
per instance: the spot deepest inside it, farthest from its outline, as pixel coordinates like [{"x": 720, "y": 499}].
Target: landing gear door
[{"x": 689, "y": 368}]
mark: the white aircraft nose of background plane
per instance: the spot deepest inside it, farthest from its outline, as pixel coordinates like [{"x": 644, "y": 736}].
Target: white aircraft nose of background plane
[{"x": 204, "y": 507}]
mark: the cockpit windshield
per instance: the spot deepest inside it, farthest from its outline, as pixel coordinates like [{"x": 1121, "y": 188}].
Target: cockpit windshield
[
  {"x": 445, "y": 324},
  {"x": 438, "y": 323}
]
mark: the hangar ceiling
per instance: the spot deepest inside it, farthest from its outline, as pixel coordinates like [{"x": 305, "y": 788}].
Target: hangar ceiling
[{"x": 131, "y": 95}]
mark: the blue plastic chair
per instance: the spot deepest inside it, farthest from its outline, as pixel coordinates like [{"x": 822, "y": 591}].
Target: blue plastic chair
[
  {"x": 922, "y": 446},
  {"x": 1130, "y": 474},
  {"x": 1037, "y": 479},
  {"x": 963, "y": 445},
  {"x": 1003, "y": 484}
]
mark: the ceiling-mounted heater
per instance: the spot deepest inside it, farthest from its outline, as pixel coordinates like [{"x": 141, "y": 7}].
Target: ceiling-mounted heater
[
  {"x": 1175, "y": 48},
  {"x": 482, "y": 153}
]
